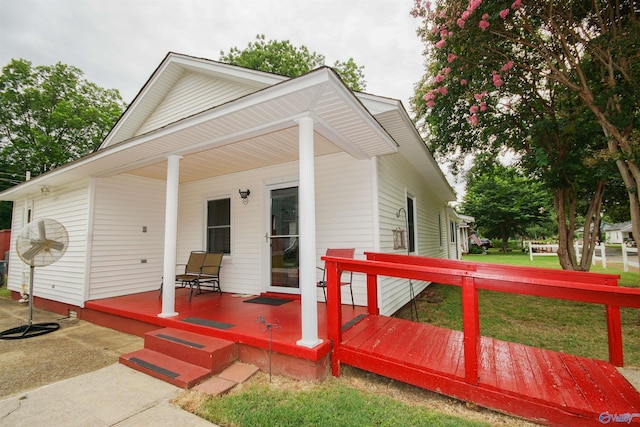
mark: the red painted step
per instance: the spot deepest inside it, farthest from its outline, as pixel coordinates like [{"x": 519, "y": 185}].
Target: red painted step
[
  {"x": 211, "y": 353},
  {"x": 181, "y": 358},
  {"x": 166, "y": 368}
]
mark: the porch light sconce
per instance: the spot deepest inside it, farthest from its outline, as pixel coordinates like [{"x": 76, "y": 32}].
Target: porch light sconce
[
  {"x": 245, "y": 195},
  {"x": 45, "y": 190}
]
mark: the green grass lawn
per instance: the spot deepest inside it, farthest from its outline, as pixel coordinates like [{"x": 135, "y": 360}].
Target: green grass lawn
[
  {"x": 327, "y": 404},
  {"x": 566, "y": 326}
]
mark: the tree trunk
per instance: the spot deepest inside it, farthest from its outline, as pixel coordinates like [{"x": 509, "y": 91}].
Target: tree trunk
[
  {"x": 592, "y": 223},
  {"x": 565, "y": 202},
  {"x": 621, "y": 148}
]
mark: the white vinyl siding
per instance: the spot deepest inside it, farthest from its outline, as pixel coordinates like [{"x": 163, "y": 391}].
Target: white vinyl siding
[
  {"x": 123, "y": 205},
  {"x": 343, "y": 217},
  {"x": 192, "y": 94},
  {"x": 397, "y": 180},
  {"x": 63, "y": 280}
]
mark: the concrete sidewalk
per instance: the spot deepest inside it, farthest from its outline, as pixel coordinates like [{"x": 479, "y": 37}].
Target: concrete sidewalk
[{"x": 115, "y": 395}]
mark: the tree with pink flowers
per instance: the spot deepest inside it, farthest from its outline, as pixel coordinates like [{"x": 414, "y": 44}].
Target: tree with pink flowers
[{"x": 556, "y": 82}]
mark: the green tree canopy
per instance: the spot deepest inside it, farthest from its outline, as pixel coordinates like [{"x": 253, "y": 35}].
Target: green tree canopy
[
  {"x": 504, "y": 201},
  {"x": 542, "y": 78},
  {"x": 281, "y": 57},
  {"x": 49, "y": 116}
]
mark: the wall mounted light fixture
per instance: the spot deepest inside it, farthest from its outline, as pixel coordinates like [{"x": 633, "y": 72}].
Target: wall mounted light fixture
[{"x": 245, "y": 195}]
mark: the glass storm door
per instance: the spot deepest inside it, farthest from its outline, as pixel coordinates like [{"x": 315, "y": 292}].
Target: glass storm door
[{"x": 284, "y": 240}]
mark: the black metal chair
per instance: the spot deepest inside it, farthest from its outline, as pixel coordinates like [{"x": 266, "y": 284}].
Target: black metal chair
[{"x": 341, "y": 253}]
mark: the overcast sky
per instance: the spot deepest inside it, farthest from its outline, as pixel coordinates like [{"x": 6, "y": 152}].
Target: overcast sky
[{"x": 119, "y": 43}]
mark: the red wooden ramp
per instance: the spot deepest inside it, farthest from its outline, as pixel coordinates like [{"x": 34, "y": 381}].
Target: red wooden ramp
[
  {"x": 540, "y": 385},
  {"x": 181, "y": 358}
]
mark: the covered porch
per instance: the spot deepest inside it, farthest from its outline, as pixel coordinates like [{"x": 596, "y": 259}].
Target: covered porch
[{"x": 263, "y": 329}]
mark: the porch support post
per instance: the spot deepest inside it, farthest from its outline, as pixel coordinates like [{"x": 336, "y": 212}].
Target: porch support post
[
  {"x": 307, "y": 218},
  {"x": 170, "y": 237}
]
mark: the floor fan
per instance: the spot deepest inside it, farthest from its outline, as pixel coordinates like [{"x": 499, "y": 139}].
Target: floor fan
[{"x": 40, "y": 243}]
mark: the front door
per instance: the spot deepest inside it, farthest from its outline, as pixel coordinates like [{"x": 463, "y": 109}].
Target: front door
[{"x": 284, "y": 239}]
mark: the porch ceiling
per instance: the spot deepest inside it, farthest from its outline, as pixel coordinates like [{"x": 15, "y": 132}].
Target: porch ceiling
[{"x": 269, "y": 149}]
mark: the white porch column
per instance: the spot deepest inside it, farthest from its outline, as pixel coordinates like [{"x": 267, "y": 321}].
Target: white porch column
[
  {"x": 307, "y": 218},
  {"x": 170, "y": 237}
]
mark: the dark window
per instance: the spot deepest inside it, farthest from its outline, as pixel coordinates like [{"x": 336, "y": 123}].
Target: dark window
[
  {"x": 411, "y": 225},
  {"x": 219, "y": 226}
]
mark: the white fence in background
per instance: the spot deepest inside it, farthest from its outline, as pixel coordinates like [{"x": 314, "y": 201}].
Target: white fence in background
[
  {"x": 551, "y": 249},
  {"x": 542, "y": 249},
  {"x": 625, "y": 257}
]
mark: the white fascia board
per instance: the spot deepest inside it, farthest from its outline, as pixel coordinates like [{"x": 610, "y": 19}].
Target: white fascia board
[{"x": 315, "y": 78}]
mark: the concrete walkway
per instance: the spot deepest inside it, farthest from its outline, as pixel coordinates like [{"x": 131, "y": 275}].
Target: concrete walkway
[{"x": 115, "y": 395}]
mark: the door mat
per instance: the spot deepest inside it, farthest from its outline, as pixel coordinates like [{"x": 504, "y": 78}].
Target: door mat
[
  {"x": 268, "y": 300},
  {"x": 209, "y": 323}
]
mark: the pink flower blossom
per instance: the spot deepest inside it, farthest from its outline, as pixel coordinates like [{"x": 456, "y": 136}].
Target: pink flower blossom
[
  {"x": 440, "y": 44},
  {"x": 516, "y": 4},
  {"x": 479, "y": 96},
  {"x": 443, "y": 90},
  {"x": 497, "y": 80},
  {"x": 507, "y": 66},
  {"x": 473, "y": 120},
  {"x": 460, "y": 22},
  {"x": 451, "y": 57},
  {"x": 483, "y": 106},
  {"x": 431, "y": 103},
  {"x": 466, "y": 14},
  {"x": 429, "y": 95},
  {"x": 473, "y": 109},
  {"x": 439, "y": 78},
  {"x": 484, "y": 24},
  {"x": 473, "y": 5},
  {"x": 463, "y": 82},
  {"x": 485, "y": 16},
  {"x": 504, "y": 13},
  {"x": 443, "y": 14},
  {"x": 446, "y": 70}
]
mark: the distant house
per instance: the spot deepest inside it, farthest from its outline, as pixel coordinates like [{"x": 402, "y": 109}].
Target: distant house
[
  {"x": 270, "y": 170},
  {"x": 617, "y": 233}
]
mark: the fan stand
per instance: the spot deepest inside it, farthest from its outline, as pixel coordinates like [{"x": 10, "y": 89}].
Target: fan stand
[{"x": 31, "y": 329}]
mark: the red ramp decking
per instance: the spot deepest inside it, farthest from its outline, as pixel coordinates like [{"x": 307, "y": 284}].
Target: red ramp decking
[{"x": 540, "y": 385}]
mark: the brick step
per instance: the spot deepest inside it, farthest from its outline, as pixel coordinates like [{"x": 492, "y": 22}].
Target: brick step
[
  {"x": 211, "y": 353},
  {"x": 166, "y": 368}
]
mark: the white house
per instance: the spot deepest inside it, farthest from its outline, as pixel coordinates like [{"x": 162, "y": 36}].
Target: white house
[
  {"x": 322, "y": 167},
  {"x": 617, "y": 233}
]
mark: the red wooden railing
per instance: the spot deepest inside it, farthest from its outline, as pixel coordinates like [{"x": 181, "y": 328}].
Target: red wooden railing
[{"x": 568, "y": 285}]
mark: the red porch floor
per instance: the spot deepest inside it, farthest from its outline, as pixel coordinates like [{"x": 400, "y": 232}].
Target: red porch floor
[
  {"x": 543, "y": 386},
  {"x": 225, "y": 316}
]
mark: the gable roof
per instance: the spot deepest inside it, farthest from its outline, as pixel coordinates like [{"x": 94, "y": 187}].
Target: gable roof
[
  {"x": 174, "y": 67},
  {"x": 254, "y": 127}
]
